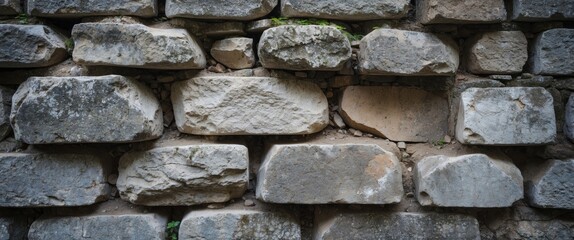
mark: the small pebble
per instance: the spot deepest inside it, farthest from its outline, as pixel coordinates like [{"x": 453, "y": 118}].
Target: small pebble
[
  {"x": 215, "y": 206},
  {"x": 402, "y": 145},
  {"x": 249, "y": 203}
]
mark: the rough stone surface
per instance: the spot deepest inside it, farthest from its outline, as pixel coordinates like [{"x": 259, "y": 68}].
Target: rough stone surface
[
  {"x": 460, "y": 12},
  {"x": 553, "y": 52},
  {"x": 248, "y": 106},
  {"x": 219, "y": 9},
  {"x": 397, "y": 226},
  {"x": 9, "y": 7},
  {"x": 533, "y": 10},
  {"x": 235, "y": 53},
  {"x": 6, "y": 228},
  {"x": 78, "y": 8},
  {"x": 109, "y": 108},
  {"x": 5, "y": 106},
  {"x": 503, "y": 52},
  {"x": 184, "y": 175},
  {"x": 42, "y": 180},
  {"x": 114, "y": 227},
  {"x": 398, "y": 113},
  {"x": 353, "y": 10},
  {"x": 552, "y": 185},
  {"x": 399, "y": 52},
  {"x": 322, "y": 173},
  {"x": 506, "y": 116},
  {"x": 569, "y": 118},
  {"x": 25, "y": 46},
  {"x": 238, "y": 224},
  {"x": 467, "y": 181},
  {"x": 296, "y": 47},
  {"x": 135, "y": 45}
]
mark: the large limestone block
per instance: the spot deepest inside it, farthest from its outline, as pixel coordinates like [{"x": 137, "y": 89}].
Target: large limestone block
[
  {"x": 569, "y": 118},
  {"x": 324, "y": 173},
  {"x": 460, "y": 12},
  {"x": 235, "y": 53},
  {"x": 474, "y": 180},
  {"x": 135, "y": 45},
  {"x": 79, "y": 8},
  {"x": 312, "y": 47},
  {"x": 248, "y": 106},
  {"x": 9, "y": 7},
  {"x": 399, "y": 52},
  {"x": 352, "y": 10},
  {"x": 397, "y": 226},
  {"x": 397, "y": 113},
  {"x": 503, "y": 52},
  {"x": 45, "y": 180},
  {"x": 219, "y": 9},
  {"x": 535, "y": 10},
  {"x": 187, "y": 174},
  {"x": 506, "y": 116},
  {"x": 238, "y": 224},
  {"x": 553, "y": 52},
  {"x": 109, "y": 108},
  {"x": 552, "y": 185},
  {"x": 25, "y": 46},
  {"x": 5, "y": 107}
]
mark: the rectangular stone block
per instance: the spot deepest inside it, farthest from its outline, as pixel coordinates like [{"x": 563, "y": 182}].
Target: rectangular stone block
[
  {"x": 551, "y": 185},
  {"x": 553, "y": 52},
  {"x": 28, "y": 46},
  {"x": 460, "y": 12},
  {"x": 548, "y": 10},
  {"x": 219, "y": 9},
  {"x": 501, "y": 52},
  {"x": 352, "y": 10},
  {"x": 79, "y": 8}
]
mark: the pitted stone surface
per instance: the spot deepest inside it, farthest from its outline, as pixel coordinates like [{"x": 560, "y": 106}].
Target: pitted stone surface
[
  {"x": 235, "y": 53},
  {"x": 219, "y": 9},
  {"x": 534, "y": 10},
  {"x": 399, "y": 52},
  {"x": 296, "y": 47},
  {"x": 248, "y": 106},
  {"x": 9, "y": 7},
  {"x": 460, "y": 12},
  {"x": 184, "y": 175},
  {"x": 345, "y": 10},
  {"x": 79, "y": 8},
  {"x": 135, "y": 45},
  {"x": 569, "y": 118},
  {"x": 506, "y": 116},
  {"x": 238, "y": 224},
  {"x": 25, "y": 46},
  {"x": 85, "y": 110},
  {"x": 503, "y": 52},
  {"x": 323, "y": 173},
  {"x": 553, "y": 52},
  {"x": 46, "y": 180},
  {"x": 5, "y": 106},
  {"x": 552, "y": 186},
  {"x": 474, "y": 180}
]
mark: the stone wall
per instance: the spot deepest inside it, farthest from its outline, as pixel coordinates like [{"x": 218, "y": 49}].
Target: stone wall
[{"x": 289, "y": 119}]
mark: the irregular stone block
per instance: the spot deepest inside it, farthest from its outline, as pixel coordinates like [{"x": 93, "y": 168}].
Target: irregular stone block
[
  {"x": 503, "y": 52},
  {"x": 235, "y": 53},
  {"x": 78, "y": 8},
  {"x": 238, "y": 224},
  {"x": 5, "y": 106},
  {"x": 324, "y": 173},
  {"x": 248, "y": 106},
  {"x": 44, "y": 180},
  {"x": 398, "y": 113},
  {"x": 188, "y": 174},
  {"x": 552, "y": 185},
  {"x": 506, "y": 116},
  {"x": 460, "y": 12},
  {"x": 219, "y": 9},
  {"x": 25, "y": 46},
  {"x": 533, "y": 10},
  {"x": 474, "y": 180},
  {"x": 569, "y": 118},
  {"x": 109, "y": 108},
  {"x": 553, "y": 52},
  {"x": 398, "y": 52},
  {"x": 296, "y": 47},
  {"x": 9, "y": 7},
  {"x": 353, "y": 10},
  {"x": 135, "y": 45}
]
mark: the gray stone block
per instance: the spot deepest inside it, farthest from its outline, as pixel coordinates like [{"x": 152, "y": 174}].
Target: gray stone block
[
  {"x": 235, "y": 53},
  {"x": 503, "y": 52},
  {"x": 5, "y": 107},
  {"x": 9, "y": 7},
  {"x": 549, "y": 10},
  {"x": 569, "y": 118},
  {"x": 553, "y": 52},
  {"x": 25, "y": 46},
  {"x": 219, "y": 9},
  {"x": 460, "y": 12},
  {"x": 551, "y": 186},
  {"x": 352, "y": 10},
  {"x": 79, "y": 8}
]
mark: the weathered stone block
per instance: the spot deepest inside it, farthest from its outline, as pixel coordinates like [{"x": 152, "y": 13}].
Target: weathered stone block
[
  {"x": 5, "y": 106},
  {"x": 219, "y": 9},
  {"x": 398, "y": 113},
  {"x": 552, "y": 185},
  {"x": 398, "y": 52},
  {"x": 6, "y": 228},
  {"x": 569, "y": 118},
  {"x": 503, "y": 52},
  {"x": 79, "y": 8},
  {"x": 323, "y": 173},
  {"x": 553, "y": 52},
  {"x": 248, "y": 106},
  {"x": 135, "y": 45},
  {"x": 235, "y": 53},
  {"x": 533, "y": 10},
  {"x": 353, "y": 10},
  {"x": 506, "y": 116},
  {"x": 25, "y": 46},
  {"x": 45, "y": 180},
  {"x": 296, "y": 47},
  {"x": 474, "y": 180},
  {"x": 460, "y": 12},
  {"x": 238, "y": 224},
  {"x": 9, "y": 7},
  {"x": 85, "y": 110}
]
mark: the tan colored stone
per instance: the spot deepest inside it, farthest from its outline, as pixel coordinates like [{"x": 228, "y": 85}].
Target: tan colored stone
[{"x": 457, "y": 11}]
